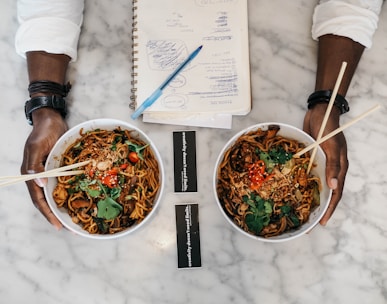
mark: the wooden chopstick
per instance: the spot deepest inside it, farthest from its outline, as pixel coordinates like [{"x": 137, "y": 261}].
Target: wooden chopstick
[
  {"x": 61, "y": 171},
  {"x": 327, "y": 112},
  {"x": 338, "y": 130}
]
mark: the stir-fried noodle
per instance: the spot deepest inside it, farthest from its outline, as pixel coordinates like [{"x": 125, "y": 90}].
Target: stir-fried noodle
[
  {"x": 262, "y": 187},
  {"x": 119, "y": 185}
]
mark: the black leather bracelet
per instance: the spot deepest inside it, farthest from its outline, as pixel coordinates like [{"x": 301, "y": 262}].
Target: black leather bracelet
[
  {"x": 46, "y": 86},
  {"x": 324, "y": 97},
  {"x": 55, "y": 102}
]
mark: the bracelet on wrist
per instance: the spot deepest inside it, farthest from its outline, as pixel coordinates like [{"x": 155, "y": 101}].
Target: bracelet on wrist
[
  {"x": 46, "y": 86},
  {"x": 324, "y": 96},
  {"x": 53, "y": 101}
]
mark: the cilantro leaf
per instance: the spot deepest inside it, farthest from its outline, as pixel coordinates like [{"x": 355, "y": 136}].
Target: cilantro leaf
[
  {"x": 84, "y": 186},
  {"x": 269, "y": 162},
  {"x": 286, "y": 209},
  {"x": 115, "y": 192},
  {"x": 295, "y": 220},
  {"x": 259, "y": 214},
  {"x": 279, "y": 155},
  {"x": 268, "y": 207},
  {"x": 253, "y": 223},
  {"x": 101, "y": 224},
  {"x": 116, "y": 140},
  {"x": 108, "y": 208}
]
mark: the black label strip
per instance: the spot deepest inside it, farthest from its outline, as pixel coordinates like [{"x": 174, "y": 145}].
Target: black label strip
[
  {"x": 188, "y": 236},
  {"x": 184, "y": 152}
]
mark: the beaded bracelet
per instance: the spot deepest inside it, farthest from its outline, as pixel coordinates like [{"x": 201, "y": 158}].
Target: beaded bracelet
[
  {"x": 324, "y": 97},
  {"x": 46, "y": 86}
]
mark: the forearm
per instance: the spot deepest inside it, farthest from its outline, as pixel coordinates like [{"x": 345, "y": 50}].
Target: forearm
[
  {"x": 332, "y": 51},
  {"x": 344, "y": 28},
  {"x": 46, "y": 66}
]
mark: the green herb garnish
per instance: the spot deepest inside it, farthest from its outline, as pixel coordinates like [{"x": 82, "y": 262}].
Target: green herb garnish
[
  {"x": 116, "y": 140},
  {"x": 279, "y": 155},
  {"x": 102, "y": 225},
  {"x": 274, "y": 156},
  {"x": 85, "y": 184},
  {"x": 136, "y": 148},
  {"x": 287, "y": 211},
  {"x": 260, "y": 212},
  {"x": 108, "y": 208}
]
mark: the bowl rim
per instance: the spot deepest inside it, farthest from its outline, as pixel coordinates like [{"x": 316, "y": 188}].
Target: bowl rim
[
  {"x": 89, "y": 125},
  {"x": 293, "y": 234}
]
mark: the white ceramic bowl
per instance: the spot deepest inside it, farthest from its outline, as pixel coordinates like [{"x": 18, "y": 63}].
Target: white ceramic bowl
[
  {"x": 290, "y": 132},
  {"x": 53, "y": 161}
]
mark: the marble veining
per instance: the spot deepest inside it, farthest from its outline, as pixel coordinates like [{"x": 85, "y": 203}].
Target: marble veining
[{"x": 344, "y": 262}]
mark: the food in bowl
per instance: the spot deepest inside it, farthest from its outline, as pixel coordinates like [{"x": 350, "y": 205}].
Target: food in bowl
[
  {"x": 120, "y": 185},
  {"x": 262, "y": 188}
]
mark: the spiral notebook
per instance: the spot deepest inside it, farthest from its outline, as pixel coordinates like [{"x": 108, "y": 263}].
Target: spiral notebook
[{"x": 216, "y": 84}]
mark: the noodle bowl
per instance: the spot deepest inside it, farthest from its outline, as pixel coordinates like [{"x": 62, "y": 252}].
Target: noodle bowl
[
  {"x": 120, "y": 186},
  {"x": 263, "y": 190}
]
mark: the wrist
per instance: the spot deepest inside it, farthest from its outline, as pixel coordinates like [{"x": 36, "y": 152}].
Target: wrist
[
  {"x": 43, "y": 114},
  {"x": 46, "y": 94},
  {"x": 53, "y": 102},
  {"x": 321, "y": 108},
  {"x": 324, "y": 96}
]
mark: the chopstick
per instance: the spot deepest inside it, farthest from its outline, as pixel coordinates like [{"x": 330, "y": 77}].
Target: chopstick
[
  {"x": 61, "y": 171},
  {"x": 327, "y": 112},
  {"x": 336, "y": 131}
]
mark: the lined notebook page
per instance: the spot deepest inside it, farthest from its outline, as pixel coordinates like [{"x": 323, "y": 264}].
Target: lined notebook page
[{"x": 217, "y": 81}]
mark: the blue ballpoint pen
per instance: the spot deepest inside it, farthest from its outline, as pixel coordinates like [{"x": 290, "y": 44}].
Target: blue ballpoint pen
[{"x": 156, "y": 94}]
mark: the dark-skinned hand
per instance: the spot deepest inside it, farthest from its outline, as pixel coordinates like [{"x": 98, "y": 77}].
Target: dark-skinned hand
[
  {"x": 47, "y": 128},
  {"x": 335, "y": 150}
]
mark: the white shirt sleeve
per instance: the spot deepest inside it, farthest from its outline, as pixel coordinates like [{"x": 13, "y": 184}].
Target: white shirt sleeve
[
  {"x": 354, "y": 19},
  {"x": 52, "y": 26}
]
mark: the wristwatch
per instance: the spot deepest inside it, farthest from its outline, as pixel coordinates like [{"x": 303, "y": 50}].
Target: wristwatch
[
  {"x": 53, "y": 101},
  {"x": 324, "y": 97}
]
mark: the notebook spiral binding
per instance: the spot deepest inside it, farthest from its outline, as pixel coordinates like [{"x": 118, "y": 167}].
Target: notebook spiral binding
[{"x": 133, "y": 97}]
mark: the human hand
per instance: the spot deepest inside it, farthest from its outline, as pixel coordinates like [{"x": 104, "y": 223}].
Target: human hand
[
  {"x": 335, "y": 150},
  {"x": 48, "y": 127}
]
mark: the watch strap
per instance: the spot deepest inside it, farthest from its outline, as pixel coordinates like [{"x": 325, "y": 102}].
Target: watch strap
[
  {"x": 53, "y": 101},
  {"x": 324, "y": 96}
]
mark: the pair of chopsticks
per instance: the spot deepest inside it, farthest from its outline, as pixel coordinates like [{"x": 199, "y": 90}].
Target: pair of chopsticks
[
  {"x": 61, "y": 171},
  {"x": 334, "y": 132},
  {"x": 321, "y": 139}
]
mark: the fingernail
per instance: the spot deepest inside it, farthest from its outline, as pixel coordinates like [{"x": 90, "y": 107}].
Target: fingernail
[
  {"x": 39, "y": 182},
  {"x": 333, "y": 183}
]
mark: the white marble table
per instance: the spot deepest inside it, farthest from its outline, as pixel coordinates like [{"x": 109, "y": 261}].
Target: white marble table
[{"x": 344, "y": 262}]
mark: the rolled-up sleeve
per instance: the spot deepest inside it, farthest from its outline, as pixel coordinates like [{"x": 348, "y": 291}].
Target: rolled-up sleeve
[
  {"x": 52, "y": 26},
  {"x": 354, "y": 19}
]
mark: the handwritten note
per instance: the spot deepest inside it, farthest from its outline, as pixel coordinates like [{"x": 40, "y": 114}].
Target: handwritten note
[{"x": 218, "y": 80}]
